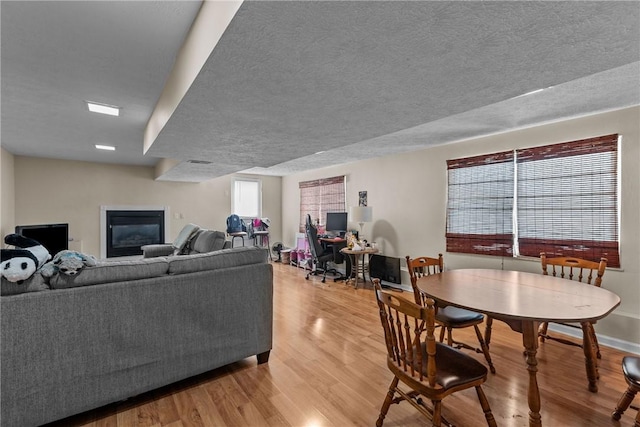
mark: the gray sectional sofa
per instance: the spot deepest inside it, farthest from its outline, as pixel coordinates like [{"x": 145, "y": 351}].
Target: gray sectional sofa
[{"x": 123, "y": 328}]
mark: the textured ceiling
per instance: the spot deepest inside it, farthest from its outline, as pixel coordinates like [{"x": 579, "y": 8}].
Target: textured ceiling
[
  {"x": 354, "y": 80},
  {"x": 57, "y": 54}
]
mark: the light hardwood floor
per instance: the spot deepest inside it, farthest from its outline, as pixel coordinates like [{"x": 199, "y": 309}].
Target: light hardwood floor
[{"x": 327, "y": 368}]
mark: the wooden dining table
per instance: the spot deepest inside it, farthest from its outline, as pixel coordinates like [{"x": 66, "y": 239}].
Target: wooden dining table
[{"x": 523, "y": 300}]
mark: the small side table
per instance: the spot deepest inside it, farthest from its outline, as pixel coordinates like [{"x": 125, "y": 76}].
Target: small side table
[{"x": 357, "y": 257}]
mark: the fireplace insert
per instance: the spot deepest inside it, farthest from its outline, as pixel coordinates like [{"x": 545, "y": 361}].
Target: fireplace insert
[{"x": 128, "y": 231}]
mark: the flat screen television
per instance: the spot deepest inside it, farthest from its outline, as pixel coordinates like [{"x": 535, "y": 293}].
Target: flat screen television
[
  {"x": 336, "y": 222},
  {"x": 54, "y": 237}
]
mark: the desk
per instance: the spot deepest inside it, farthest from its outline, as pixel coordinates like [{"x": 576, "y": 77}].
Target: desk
[
  {"x": 523, "y": 300},
  {"x": 355, "y": 261},
  {"x": 333, "y": 240}
]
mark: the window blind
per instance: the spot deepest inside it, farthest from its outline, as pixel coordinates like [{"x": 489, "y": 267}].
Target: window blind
[
  {"x": 567, "y": 199},
  {"x": 246, "y": 198},
  {"x": 480, "y": 204},
  {"x": 319, "y": 196}
]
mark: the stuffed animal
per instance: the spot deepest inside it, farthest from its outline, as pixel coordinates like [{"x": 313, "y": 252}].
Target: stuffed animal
[
  {"x": 17, "y": 265},
  {"x": 68, "y": 262}
]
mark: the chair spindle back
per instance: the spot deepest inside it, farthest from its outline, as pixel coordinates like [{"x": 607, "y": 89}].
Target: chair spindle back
[
  {"x": 423, "y": 266},
  {"x": 575, "y": 269},
  {"x": 401, "y": 321}
]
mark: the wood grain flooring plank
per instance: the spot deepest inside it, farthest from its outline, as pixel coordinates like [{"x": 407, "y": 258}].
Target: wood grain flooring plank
[{"x": 328, "y": 368}]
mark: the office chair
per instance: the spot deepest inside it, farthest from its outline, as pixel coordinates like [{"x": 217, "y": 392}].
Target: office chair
[{"x": 320, "y": 256}]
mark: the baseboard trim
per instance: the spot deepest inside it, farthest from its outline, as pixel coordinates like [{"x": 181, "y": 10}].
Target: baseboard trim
[{"x": 603, "y": 340}]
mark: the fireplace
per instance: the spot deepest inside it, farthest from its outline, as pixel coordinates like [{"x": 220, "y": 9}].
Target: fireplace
[{"x": 127, "y": 230}]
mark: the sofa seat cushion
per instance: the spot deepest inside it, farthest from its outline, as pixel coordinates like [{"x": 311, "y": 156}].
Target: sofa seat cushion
[
  {"x": 35, "y": 283},
  {"x": 220, "y": 259},
  {"x": 113, "y": 271}
]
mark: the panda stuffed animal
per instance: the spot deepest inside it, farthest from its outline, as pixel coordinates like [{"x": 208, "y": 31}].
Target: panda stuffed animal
[{"x": 17, "y": 265}]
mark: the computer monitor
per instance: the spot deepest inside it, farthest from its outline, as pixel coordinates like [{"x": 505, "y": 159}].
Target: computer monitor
[{"x": 336, "y": 222}]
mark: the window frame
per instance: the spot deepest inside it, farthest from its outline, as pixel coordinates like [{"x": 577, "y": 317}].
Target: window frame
[{"x": 234, "y": 208}]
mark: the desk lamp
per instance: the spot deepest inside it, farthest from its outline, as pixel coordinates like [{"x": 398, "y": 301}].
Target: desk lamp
[{"x": 361, "y": 214}]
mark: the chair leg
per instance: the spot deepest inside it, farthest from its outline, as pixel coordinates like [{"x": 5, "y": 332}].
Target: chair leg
[
  {"x": 491, "y": 421},
  {"x": 442, "y": 330},
  {"x": 542, "y": 330},
  {"x": 437, "y": 413},
  {"x": 590, "y": 359},
  {"x": 487, "y": 330},
  {"x": 623, "y": 404},
  {"x": 387, "y": 401},
  {"x": 485, "y": 349},
  {"x": 596, "y": 348},
  {"x": 594, "y": 338},
  {"x": 637, "y": 424},
  {"x": 449, "y": 337}
]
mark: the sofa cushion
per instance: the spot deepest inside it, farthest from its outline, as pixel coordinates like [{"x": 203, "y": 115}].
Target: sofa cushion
[
  {"x": 152, "y": 251},
  {"x": 207, "y": 241},
  {"x": 220, "y": 259},
  {"x": 112, "y": 271},
  {"x": 35, "y": 283}
]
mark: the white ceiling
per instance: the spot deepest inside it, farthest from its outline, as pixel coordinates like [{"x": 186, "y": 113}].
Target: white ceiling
[{"x": 289, "y": 79}]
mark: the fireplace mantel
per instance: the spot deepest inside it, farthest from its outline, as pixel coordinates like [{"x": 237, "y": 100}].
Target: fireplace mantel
[{"x": 103, "y": 221}]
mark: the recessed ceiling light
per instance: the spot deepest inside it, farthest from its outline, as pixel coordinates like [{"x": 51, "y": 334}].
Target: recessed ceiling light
[
  {"x": 96, "y": 107},
  {"x": 106, "y": 147}
]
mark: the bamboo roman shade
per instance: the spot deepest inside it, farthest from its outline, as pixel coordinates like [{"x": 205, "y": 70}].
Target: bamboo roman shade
[
  {"x": 480, "y": 204},
  {"x": 568, "y": 199},
  {"x": 561, "y": 199},
  {"x": 319, "y": 196}
]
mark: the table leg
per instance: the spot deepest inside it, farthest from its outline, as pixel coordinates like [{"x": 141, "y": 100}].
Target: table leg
[
  {"x": 530, "y": 341},
  {"x": 353, "y": 274},
  {"x": 590, "y": 361},
  {"x": 357, "y": 276}
]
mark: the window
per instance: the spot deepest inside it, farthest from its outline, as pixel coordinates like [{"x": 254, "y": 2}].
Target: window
[
  {"x": 562, "y": 200},
  {"x": 320, "y": 196},
  {"x": 480, "y": 205},
  {"x": 247, "y": 198}
]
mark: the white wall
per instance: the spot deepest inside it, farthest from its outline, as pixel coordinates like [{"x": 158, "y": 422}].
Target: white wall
[
  {"x": 408, "y": 196},
  {"x": 7, "y": 196},
  {"x": 51, "y": 191}
]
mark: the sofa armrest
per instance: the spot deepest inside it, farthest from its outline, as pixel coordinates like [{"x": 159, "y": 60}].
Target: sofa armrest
[
  {"x": 227, "y": 244},
  {"x": 152, "y": 251}
]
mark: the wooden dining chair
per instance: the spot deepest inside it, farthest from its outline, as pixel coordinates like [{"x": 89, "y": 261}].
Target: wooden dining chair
[
  {"x": 449, "y": 317},
  {"x": 588, "y": 272},
  {"x": 631, "y": 371},
  {"x": 430, "y": 370}
]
